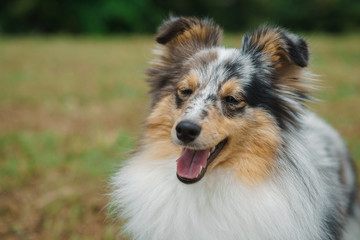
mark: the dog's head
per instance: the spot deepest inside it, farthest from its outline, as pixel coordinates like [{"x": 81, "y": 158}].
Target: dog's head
[{"x": 219, "y": 107}]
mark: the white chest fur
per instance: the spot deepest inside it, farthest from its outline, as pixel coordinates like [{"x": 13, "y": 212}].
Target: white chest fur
[{"x": 158, "y": 206}]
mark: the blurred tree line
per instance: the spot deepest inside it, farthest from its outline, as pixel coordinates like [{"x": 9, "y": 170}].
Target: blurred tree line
[{"x": 118, "y": 16}]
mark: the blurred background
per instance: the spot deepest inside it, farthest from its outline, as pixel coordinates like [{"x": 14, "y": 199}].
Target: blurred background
[
  {"x": 143, "y": 16},
  {"x": 73, "y": 96}
]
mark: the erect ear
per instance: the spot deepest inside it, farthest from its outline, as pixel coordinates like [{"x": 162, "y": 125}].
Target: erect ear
[
  {"x": 189, "y": 34},
  {"x": 281, "y": 57},
  {"x": 277, "y": 47}
]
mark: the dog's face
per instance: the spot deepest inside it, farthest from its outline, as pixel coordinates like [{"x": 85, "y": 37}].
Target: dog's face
[{"x": 218, "y": 107}]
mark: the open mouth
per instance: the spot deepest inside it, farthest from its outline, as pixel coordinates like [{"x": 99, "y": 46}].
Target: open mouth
[{"x": 192, "y": 164}]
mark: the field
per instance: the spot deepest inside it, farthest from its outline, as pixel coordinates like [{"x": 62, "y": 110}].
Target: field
[{"x": 71, "y": 108}]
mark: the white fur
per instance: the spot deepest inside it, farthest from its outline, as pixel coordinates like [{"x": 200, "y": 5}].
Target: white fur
[{"x": 291, "y": 204}]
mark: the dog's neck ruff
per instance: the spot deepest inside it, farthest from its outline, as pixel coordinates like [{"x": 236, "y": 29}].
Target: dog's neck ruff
[{"x": 157, "y": 205}]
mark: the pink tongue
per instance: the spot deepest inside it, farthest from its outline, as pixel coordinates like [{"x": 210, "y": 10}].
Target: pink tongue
[{"x": 189, "y": 163}]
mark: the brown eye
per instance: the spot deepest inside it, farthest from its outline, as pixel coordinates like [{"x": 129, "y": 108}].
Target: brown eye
[
  {"x": 231, "y": 100},
  {"x": 185, "y": 92}
]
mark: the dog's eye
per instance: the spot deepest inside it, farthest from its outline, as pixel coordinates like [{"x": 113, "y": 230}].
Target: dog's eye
[
  {"x": 231, "y": 100},
  {"x": 185, "y": 92}
]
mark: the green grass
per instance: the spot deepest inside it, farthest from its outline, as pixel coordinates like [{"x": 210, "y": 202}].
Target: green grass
[{"x": 71, "y": 109}]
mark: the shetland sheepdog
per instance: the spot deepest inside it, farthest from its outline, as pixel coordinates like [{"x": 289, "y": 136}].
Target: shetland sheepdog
[{"x": 229, "y": 150}]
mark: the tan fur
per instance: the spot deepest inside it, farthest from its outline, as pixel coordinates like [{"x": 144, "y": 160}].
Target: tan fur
[
  {"x": 252, "y": 143},
  {"x": 259, "y": 140},
  {"x": 190, "y": 82},
  {"x": 272, "y": 45},
  {"x": 253, "y": 139},
  {"x": 291, "y": 78},
  {"x": 232, "y": 88},
  {"x": 196, "y": 36},
  {"x": 198, "y": 32},
  {"x": 158, "y": 129}
]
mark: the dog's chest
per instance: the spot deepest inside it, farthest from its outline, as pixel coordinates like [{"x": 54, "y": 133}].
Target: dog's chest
[{"x": 158, "y": 206}]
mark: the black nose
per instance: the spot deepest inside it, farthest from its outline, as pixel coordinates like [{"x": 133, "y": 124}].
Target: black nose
[{"x": 187, "y": 131}]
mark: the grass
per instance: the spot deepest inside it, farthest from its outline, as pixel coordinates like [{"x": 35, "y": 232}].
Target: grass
[{"x": 71, "y": 108}]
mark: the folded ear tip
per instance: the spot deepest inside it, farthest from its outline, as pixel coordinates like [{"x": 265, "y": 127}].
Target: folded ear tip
[
  {"x": 171, "y": 28},
  {"x": 161, "y": 39},
  {"x": 176, "y": 26},
  {"x": 298, "y": 49},
  {"x": 303, "y": 48}
]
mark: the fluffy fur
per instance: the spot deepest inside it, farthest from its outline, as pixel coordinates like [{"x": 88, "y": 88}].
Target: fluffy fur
[{"x": 277, "y": 171}]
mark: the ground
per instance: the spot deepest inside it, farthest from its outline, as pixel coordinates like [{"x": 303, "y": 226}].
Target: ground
[{"x": 72, "y": 107}]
